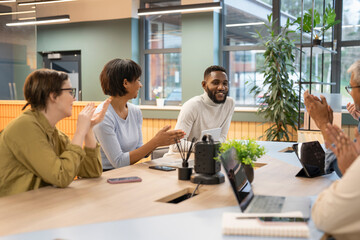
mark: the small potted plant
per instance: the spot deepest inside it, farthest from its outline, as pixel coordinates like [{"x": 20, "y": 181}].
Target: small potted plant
[
  {"x": 158, "y": 96},
  {"x": 248, "y": 151},
  {"x": 321, "y": 24}
]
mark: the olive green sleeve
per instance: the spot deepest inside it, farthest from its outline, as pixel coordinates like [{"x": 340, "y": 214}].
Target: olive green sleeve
[
  {"x": 32, "y": 148},
  {"x": 91, "y": 165}
]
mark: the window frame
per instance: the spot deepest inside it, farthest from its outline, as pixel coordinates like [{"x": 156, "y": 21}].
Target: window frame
[
  {"x": 144, "y": 64},
  {"x": 335, "y": 59}
]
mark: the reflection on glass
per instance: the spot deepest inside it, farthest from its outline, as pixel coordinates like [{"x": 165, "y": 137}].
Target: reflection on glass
[
  {"x": 163, "y": 76},
  {"x": 243, "y": 20},
  {"x": 348, "y": 56},
  {"x": 17, "y": 55},
  {"x": 319, "y": 72},
  {"x": 244, "y": 72},
  {"x": 163, "y": 31},
  {"x": 292, "y": 9},
  {"x": 162, "y": 57},
  {"x": 351, "y": 20}
]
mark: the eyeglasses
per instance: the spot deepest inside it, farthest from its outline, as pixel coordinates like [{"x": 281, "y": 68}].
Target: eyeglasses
[
  {"x": 72, "y": 91},
  {"x": 349, "y": 88}
]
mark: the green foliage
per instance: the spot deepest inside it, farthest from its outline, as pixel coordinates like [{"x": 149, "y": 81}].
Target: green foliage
[
  {"x": 307, "y": 26},
  {"x": 325, "y": 22},
  {"x": 247, "y": 151},
  {"x": 280, "y": 100}
]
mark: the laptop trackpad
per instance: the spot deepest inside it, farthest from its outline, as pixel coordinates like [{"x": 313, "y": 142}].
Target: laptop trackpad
[
  {"x": 266, "y": 204},
  {"x": 302, "y": 204}
]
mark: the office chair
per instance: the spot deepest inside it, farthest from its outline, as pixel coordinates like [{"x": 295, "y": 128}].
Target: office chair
[{"x": 159, "y": 152}]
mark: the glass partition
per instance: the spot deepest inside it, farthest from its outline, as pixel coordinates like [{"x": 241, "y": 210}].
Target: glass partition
[
  {"x": 243, "y": 19},
  {"x": 351, "y": 20},
  {"x": 17, "y": 53},
  {"x": 348, "y": 56}
]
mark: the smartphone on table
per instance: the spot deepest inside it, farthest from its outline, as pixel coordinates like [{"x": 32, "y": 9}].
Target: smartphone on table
[
  {"x": 162, "y": 168},
  {"x": 124, "y": 180},
  {"x": 283, "y": 219}
]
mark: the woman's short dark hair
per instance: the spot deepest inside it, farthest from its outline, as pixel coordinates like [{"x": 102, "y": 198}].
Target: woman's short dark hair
[
  {"x": 113, "y": 75},
  {"x": 213, "y": 68},
  {"x": 39, "y": 84}
]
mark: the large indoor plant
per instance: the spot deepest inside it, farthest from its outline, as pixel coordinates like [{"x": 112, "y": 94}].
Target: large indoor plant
[
  {"x": 280, "y": 100},
  {"x": 320, "y": 24},
  {"x": 247, "y": 151}
]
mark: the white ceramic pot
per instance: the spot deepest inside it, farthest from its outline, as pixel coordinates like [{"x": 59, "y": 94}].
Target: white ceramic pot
[{"x": 160, "y": 102}]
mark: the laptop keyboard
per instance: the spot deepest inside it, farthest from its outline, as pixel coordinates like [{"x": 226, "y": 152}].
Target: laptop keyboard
[{"x": 266, "y": 204}]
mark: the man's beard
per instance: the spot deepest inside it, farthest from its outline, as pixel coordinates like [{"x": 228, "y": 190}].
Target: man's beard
[{"x": 213, "y": 97}]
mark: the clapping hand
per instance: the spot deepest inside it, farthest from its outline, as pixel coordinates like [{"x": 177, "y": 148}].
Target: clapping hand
[
  {"x": 98, "y": 117},
  {"x": 87, "y": 118},
  {"x": 353, "y": 111},
  {"x": 84, "y": 118},
  {"x": 344, "y": 148},
  {"x": 318, "y": 109}
]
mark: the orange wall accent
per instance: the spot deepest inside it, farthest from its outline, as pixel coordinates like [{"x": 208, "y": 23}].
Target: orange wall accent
[{"x": 238, "y": 130}]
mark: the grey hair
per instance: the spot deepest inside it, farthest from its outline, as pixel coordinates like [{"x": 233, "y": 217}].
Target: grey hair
[{"x": 355, "y": 69}]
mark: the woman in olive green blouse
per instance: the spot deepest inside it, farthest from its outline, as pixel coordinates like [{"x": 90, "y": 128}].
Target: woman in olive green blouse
[{"x": 33, "y": 153}]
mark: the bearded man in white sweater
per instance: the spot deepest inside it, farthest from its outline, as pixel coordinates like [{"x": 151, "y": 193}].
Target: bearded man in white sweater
[{"x": 212, "y": 109}]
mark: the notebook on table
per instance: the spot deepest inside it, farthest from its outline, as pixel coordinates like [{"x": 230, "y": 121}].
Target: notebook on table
[
  {"x": 249, "y": 224},
  {"x": 312, "y": 158},
  {"x": 250, "y": 203}
]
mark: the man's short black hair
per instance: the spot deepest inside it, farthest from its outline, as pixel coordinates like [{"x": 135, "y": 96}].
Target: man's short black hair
[{"x": 213, "y": 68}]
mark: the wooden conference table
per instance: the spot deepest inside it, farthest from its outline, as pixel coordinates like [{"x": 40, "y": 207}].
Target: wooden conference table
[{"x": 94, "y": 209}]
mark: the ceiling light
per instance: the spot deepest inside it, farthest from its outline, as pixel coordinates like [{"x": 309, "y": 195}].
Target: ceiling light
[
  {"x": 244, "y": 24},
  {"x": 7, "y": 1},
  {"x": 42, "y": 2},
  {"x": 41, "y": 20},
  {"x": 14, "y": 13},
  {"x": 26, "y": 18},
  {"x": 201, "y": 7}
]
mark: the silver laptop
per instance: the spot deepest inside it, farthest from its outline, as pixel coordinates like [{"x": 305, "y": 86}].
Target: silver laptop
[
  {"x": 214, "y": 132},
  {"x": 250, "y": 203}
]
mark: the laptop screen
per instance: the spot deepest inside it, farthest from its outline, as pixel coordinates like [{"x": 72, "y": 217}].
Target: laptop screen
[
  {"x": 237, "y": 178},
  {"x": 312, "y": 157}
]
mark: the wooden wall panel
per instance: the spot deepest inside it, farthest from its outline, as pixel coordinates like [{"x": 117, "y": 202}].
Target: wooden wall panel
[
  {"x": 231, "y": 133},
  {"x": 238, "y": 130},
  {"x": 244, "y": 131},
  {"x": 252, "y": 130},
  {"x": 350, "y": 131}
]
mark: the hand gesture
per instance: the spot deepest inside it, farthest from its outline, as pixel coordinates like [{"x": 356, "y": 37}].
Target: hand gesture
[
  {"x": 167, "y": 137},
  {"x": 353, "y": 111},
  {"x": 98, "y": 117},
  {"x": 344, "y": 148},
  {"x": 318, "y": 109},
  {"x": 84, "y": 118}
]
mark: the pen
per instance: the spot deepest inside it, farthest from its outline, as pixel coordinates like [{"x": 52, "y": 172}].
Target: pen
[{"x": 247, "y": 217}]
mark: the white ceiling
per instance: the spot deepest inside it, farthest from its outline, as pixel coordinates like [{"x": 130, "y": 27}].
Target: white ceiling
[
  {"x": 82, "y": 10},
  {"x": 88, "y": 10}
]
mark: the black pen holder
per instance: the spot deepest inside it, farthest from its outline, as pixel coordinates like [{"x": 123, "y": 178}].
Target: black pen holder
[{"x": 184, "y": 173}]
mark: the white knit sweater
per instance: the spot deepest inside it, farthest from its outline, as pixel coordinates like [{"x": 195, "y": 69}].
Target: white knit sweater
[{"x": 201, "y": 113}]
